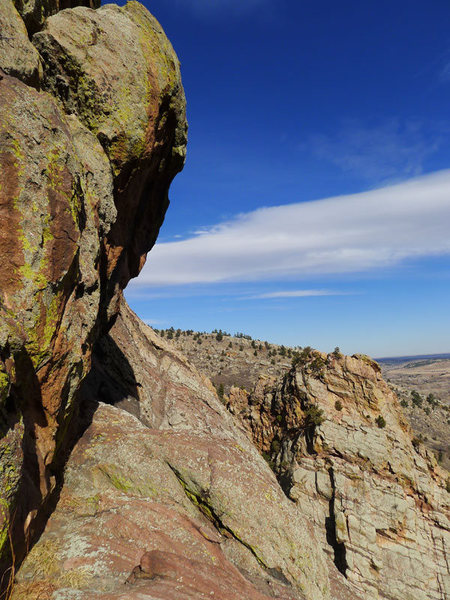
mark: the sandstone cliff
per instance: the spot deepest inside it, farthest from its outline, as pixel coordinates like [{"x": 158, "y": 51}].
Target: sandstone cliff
[
  {"x": 355, "y": 511},
  {"x": 92, "y": 131},
  {"x": 178, "y": 478},
  {"x": 116, "y": 456},
  {"x": 336, "y": 436}
]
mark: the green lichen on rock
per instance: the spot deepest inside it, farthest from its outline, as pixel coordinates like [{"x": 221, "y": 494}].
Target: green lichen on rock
[
  {"x": 18, "y": 57},
  {"x": 4, "y": 527},
  {"x": 4, "y": 384},
  {"x": 72, "y": 236},
  {"x": 114, "y": 83},
  {"x": 34, "y": 12},
  {"x": 120, "y": 481}
]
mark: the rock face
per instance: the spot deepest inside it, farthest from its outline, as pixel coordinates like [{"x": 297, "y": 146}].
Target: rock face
[
  {"x": 18, "y": 56},
  {"x": 122, "y": 475},
  {"x": 180, "y": 481},
  {"x": 126, "y": 89},
  {"x": 34, "y": 12},
  {"x": 337, "y": 439},
  {"x": 83, "y": 193}
]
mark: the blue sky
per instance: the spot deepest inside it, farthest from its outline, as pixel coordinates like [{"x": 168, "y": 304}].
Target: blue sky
[{"x": 314, "y": 207}]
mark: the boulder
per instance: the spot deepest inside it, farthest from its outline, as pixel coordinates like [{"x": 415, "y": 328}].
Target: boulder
[
  {"x": 127, "y": 90},
  {"x": 18, "y": 56},
  {"x": 34, "y": 12}
]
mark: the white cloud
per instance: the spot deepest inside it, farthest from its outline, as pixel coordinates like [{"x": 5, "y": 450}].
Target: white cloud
[
  {"x": 153, "y": 322},
  {"x": 345, "y": 234},
  {"x": 385, "y": 151},
  {"x": 294, "y": 294}
]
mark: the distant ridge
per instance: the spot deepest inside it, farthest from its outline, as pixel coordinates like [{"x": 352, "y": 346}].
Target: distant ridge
[{"x": 415, "y": 357}]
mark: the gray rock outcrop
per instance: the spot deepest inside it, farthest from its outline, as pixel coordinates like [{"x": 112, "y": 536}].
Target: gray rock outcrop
[{"x": 337, "y": 438}]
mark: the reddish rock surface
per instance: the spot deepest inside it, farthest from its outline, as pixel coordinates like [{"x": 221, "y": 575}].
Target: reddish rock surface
[
  {"x": 80, "y": 206},
  {"x": 182, "y": 480},
  {"x": 118, "y": 462}
]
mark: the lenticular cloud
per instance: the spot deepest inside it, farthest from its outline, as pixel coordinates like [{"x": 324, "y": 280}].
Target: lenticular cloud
[{"x": 344, "y": 234}]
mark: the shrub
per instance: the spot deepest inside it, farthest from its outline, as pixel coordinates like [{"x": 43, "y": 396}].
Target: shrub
[
  {"x": 302, "y": 357},
  {"x": 219, "y": 336},
  {"x": 317, "y": 365},
  {"x": 220, "y": 391},
  {"x": 404, "y": 403},
  {"x": 416, "y": 398},
  {"x": 338, "y": 405},
  {"x": 267, "y": 458},
  {"x": 416, "y": 441},
  {"x": 275, "y": 446},
  {"x": 337, "y": 352},
  {"x": 313, "y": 416},
  {"x": 380, "y": 422}
]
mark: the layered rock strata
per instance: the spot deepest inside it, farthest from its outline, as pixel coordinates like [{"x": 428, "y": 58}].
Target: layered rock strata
[
  {"x": 92, "y": 131},
  {"x": 178, "y": 479},
  {"x": 335, "y": 435}
]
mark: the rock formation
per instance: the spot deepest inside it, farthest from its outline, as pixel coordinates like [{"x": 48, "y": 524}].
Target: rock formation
[
  {"x": 335, "y": 435},
  {"x": 92, "y": 131},
  {"x": 122, "y": 475},
  {"x": 179, "y": 479}
]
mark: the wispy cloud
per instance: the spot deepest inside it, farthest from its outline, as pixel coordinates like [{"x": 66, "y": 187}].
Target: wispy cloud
[
  {"x": 386, "y": 151},
  {"x": 153, "y": 322},
  {"x": 345, "y": 234},
  {"x": 294, "y": 294}
]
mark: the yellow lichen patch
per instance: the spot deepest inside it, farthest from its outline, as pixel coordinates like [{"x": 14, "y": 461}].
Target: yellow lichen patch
[
  {"x": 77, "y": 579},
  {"x": 4, "y": 383},
  {"x": 43, "y": 560},
  {"x": 79, "y": 505},
  {"x": 20, "y": 156},
  {"x": 113, "y": 476},
  {"x": 155, "y": 45},
  {"x": 56, "y": 176},
  {"x": 40, "y": 337},
  {"x": 4, "y": 525}
]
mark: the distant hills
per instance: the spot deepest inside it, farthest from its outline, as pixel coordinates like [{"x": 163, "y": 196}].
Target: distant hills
[{"x": 402, "y": 359}]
